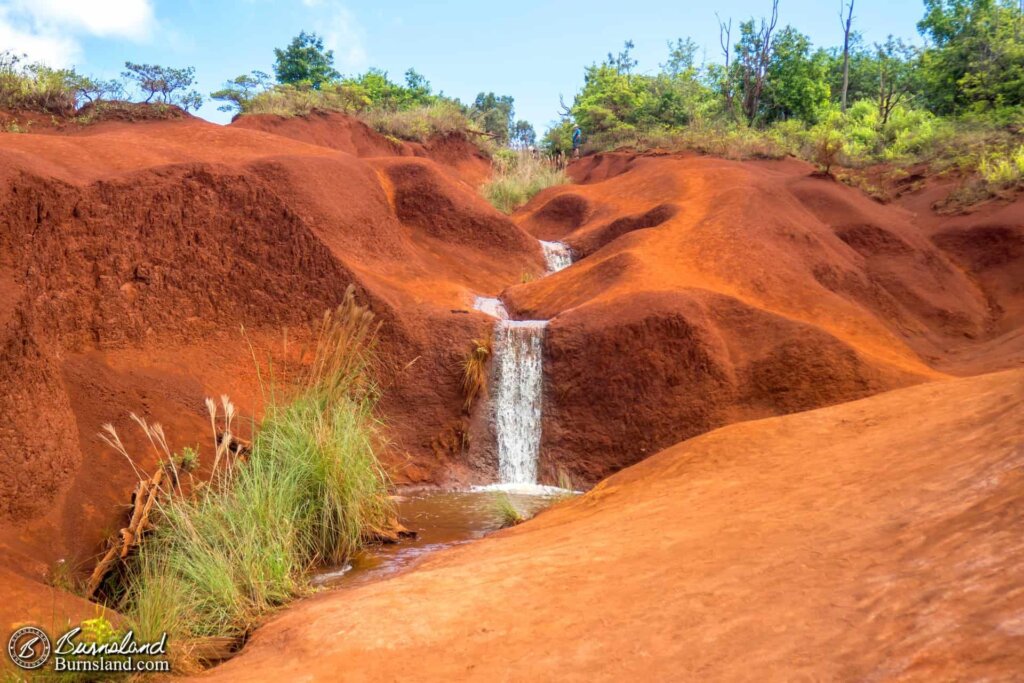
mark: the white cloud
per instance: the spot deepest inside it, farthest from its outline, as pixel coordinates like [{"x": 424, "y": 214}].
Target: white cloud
[
  {"x": 53, "y": 49},
  {"x": 344, "y": 34},
  {"x": 49, "y": 30}
]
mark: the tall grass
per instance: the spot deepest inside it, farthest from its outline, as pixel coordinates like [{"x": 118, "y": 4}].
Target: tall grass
[
  {"x": 311, "y": 490},
  {"x": 518, "y": 176}
]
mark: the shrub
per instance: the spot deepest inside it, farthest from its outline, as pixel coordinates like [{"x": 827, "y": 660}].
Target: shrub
[
  {"x": 1003, "y": 170},
  {"x": 299, "y": 100},
  {"x": 420, "y": 122},
  {"x": 35, "y": 87},
  {"x": 827, "y": 145},
  {"x": 518, "y": 176}
]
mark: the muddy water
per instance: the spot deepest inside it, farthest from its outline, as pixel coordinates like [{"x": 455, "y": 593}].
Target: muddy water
[{"x": 441, "y": 519}]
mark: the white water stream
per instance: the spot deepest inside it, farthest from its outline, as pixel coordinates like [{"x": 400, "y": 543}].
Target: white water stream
[
  {"x": 518, "y": 396},
  {"x": 556, "y": 255},
  {"x": 519, "y": 382}
]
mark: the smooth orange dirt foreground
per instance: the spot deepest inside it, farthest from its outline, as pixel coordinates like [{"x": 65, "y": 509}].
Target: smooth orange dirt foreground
[{"x": 875, "y": 540}]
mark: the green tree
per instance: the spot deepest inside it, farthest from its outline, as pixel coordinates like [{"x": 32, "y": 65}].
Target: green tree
[
  {"x": 797, "y": 80},
  {"x": 558, "y": 138},
  {"x": 896, "y": 63},
  {"x": 753, "y": 57},
  {"x": 976, "y": 57},
  {"x": 168, "y": 85},
  {"x": 380, "y": 91},
  {"x": 305, "y": 61},
  {"x": 417, "y": 87},
  {"x": 96, "y": 90},
  {"x": 862, "y": 75},
  {"x": 523, "y": 134},
  {"x": 495, "y": 114},
  {"x": 239, "y": 91}
]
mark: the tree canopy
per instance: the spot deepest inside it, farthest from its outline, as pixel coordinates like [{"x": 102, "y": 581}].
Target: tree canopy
[{"x": 304, "y": 61}]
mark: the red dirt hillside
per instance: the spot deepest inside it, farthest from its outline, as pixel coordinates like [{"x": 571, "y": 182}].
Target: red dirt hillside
[
  {"x": 337, "y": 131},
  {"x": 132, "y": 254},
  {"x": 713, "y": 291},
  {"x": 876, "y": 540}
]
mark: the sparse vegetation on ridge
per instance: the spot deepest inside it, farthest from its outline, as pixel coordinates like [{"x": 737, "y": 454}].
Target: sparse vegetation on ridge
[
  {"x": 66, "y": 95},
  {"x": 518, "y": 176},
  {"x": 774, "y": 94}
]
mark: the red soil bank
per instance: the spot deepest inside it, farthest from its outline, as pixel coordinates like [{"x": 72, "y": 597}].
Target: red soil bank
[
  {"x": 351, "y": 135},
  {"x": 877, "y": 540},
  {"x": 131, "y": 255},
  {"x": 713, "y": 291}
]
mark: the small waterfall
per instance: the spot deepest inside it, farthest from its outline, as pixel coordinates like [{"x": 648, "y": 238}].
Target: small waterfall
[
  {"x": 518, "y": 354},
  {"x": 519, "y": 386},
  {"x": 492, "y": 306},
  {"x": 556, "y": 255}
]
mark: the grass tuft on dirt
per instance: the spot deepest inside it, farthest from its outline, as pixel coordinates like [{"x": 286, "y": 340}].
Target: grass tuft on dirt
[
  {"x": 474, "y": 370},
  {"x": 508, "y": 513},
  {"x": 311, "y": 490},
  {"x": 518, "y": 176}
]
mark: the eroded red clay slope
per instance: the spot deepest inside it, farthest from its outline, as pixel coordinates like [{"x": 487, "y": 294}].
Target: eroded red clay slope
[
  {"x": 876, "y": 540},
  {"x": 131, "y": 255},
  {"x": 713, "y": 291}
]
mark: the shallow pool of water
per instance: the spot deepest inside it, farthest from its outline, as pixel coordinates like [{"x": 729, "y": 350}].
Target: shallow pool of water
[{"x": 440, "y": 519}]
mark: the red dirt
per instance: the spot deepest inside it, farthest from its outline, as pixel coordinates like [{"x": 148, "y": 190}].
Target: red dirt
[
  {"x": 710, "y": 292},
  {"x": 131, "y": 256},
  {"x": 876, "y": 540},
  {"x": 351, "y": 135},
  {"x": 717, "y": 291}
]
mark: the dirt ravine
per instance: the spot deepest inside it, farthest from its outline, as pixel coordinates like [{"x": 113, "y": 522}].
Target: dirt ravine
[
  {"x": 875, "y": 540},
  {"x": 143, "y": 265}
]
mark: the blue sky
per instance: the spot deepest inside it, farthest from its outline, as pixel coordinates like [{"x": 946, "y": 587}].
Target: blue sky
[{"x": 530, "y": 50}]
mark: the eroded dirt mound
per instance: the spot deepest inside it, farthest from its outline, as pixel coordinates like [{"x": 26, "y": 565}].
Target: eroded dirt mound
[
  {"x": 674, "y": 365},
  {"x": 348, "y": 134},
  {"x": 708, "y": 291},
  {"x": 848, "y": 543}
]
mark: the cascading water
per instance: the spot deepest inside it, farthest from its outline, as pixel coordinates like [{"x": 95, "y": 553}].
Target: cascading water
[
  {"x": 518, "y": 353},
  {"x": 492, "y": 306},
  {"x": 519, "y": 386},
  {"x": 556, "y": 255}
]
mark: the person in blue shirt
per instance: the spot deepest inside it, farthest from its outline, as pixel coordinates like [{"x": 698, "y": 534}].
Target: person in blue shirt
[{"x": 577, "y": 142}]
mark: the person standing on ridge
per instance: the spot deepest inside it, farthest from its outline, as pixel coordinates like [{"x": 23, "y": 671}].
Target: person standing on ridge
[{"x": 577, "y": 141}]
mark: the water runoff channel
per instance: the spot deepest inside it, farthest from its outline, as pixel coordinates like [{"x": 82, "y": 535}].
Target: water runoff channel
[{"x": 446, "y": 518}]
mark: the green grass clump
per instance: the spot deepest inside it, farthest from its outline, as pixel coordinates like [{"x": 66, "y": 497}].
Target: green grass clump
[
  {"x": 507, "y": 512},
  {"x": 311, "y": 490},
  {"x": 518, "y": 176}
]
